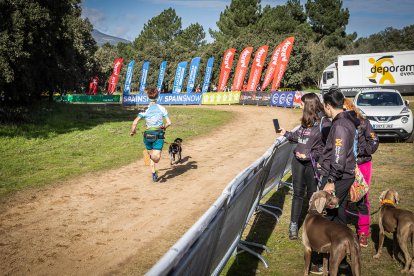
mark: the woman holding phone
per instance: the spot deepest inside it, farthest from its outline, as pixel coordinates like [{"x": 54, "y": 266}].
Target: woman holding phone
[{"x": 310, "y": 138}]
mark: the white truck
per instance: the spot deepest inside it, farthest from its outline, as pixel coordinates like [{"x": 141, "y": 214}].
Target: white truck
[{"x": 376, "y": 71}]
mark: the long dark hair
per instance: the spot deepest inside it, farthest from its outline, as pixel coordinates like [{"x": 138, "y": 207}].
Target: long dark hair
[{"x": 312, "y": 109}]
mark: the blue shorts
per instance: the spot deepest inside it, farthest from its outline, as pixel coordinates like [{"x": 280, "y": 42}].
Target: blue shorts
[{"x": 156, "y": 145}]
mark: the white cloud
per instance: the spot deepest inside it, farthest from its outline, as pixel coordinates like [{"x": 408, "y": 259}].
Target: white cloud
[{"x": 96, "y": 17}]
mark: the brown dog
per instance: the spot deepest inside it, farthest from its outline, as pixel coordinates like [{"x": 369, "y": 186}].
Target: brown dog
[
  {"x": 328, "y": 237},
  {"x": 397, "y": 221}
]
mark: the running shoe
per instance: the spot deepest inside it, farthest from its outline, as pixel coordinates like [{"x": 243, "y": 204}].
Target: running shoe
[
  {"x": 363, "y": 240},
  {"x": 293, "y": 231},
  {"x": 154, "y": 177},
  {"x": 316, "y": 269}
]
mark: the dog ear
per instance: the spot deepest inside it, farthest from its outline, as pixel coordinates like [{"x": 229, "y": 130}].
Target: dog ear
[
  {"x": 311, "y": 201},
  {"x": 396, "y": 198},
  {"x": 320, "y": 204},
  {"x": 381, "y": 197}
]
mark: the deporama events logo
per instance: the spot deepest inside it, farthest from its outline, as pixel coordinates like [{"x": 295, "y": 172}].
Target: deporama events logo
[{"x": 384, "y": 70}]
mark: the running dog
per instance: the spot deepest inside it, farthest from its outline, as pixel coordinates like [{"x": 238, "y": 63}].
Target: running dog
[
  {"x": 175, "y": 150},
  {"x": 327, "y": 237},
  {"x": 399, "y": 222}
]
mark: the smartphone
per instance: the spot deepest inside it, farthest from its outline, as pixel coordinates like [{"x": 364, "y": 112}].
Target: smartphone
[{"x": 276, "y": 125}]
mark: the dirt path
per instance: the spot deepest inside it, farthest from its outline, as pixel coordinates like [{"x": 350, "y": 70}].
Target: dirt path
[{"x": 119, "y": 221}]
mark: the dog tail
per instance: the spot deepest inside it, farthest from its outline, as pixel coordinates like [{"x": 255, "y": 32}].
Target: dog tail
[{"x": 355, "y": 258}]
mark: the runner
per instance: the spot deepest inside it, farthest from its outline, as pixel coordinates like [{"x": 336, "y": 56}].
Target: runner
[{"x": 154, "y": 117}]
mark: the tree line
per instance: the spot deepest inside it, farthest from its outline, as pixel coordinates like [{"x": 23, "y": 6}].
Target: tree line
[{"x": 46, "y": 47}]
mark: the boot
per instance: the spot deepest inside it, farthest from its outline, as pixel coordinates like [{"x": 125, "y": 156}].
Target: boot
[{"x": 293, "y": 230}]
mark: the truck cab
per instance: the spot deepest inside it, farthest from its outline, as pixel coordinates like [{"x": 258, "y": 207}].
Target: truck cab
[{"x": 329, "y": 78}]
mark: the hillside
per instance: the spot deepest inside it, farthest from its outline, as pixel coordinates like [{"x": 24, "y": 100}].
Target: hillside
[{"x": 102, "y": 38}]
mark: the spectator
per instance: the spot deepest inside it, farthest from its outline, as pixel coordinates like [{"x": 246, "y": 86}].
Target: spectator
[
  {"x": 367, "y": 145},
  {"x": 338, "y": 161},
  {"x": 310, "y": 138}
]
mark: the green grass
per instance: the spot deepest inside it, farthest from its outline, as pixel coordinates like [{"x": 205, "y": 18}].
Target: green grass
[
  {"x": 66, "y": 140},
  {"x": 392, "y": 169},
  {"x": 312, "y": 89}
]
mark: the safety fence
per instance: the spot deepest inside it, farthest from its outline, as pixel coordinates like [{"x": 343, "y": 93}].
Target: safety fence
[
  {"x": 277, "y": 98},
  {"x": 207, "y": 246}
]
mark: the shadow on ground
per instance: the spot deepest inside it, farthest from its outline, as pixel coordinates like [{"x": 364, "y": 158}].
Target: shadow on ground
[
  {"x": 388, "y": 245},
  {"x": 177, "y": 169}
]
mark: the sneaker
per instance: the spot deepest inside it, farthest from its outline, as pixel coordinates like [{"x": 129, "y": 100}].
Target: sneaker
[
  {"x": 154, "y": 177},
  {"x": 147, "y": 160},
  {"x": 363, "y": 240},
  {"x": 316, "y": 269},
  {"x": 293, "y": 231}
]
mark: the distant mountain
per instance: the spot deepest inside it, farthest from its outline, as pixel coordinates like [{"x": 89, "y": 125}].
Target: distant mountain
[{"x": 102, "y": 38}]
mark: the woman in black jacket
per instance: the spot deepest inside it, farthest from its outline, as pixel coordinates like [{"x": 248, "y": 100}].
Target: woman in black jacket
[{"x": 310, "y": 138}]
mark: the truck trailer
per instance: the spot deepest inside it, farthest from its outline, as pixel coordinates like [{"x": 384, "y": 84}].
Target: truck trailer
[{"x": 376, "y": 71}]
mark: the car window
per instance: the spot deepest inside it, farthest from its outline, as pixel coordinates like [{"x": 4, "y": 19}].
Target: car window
[{"x": 379, "y": 99}]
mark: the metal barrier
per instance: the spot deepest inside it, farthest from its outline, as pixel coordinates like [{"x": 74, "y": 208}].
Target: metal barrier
[{"x": 207, "y": 246}]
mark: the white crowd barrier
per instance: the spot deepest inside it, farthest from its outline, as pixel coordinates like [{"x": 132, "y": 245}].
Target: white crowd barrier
[{"x": 207, "y": 246}]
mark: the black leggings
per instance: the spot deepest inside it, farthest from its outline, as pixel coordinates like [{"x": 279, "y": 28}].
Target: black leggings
[{"x": 303, "y": 179}]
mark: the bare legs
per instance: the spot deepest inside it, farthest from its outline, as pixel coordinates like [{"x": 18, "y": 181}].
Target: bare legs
[{"x": 155, "y": 156}]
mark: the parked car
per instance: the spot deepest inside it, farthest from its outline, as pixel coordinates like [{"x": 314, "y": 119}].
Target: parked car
[{"x": 389, "y": 114}]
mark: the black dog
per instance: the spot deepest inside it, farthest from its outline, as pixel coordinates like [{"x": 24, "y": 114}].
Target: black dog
[{"x": 175, "y": 150}]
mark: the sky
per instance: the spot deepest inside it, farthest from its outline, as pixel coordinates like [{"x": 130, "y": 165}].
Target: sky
[{"x": 126, "y": 18}]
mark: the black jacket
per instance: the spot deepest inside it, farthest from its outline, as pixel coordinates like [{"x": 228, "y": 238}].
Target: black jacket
[
  {"x": 338, "y": 158},
  {"x": 367, "y": 142},
  {"x": 311, "y": 141}
]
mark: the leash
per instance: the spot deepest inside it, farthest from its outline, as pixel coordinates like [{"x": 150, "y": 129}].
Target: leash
[
  {"x": 315, "y": 173},
  {"x": 359, "y": 215}
]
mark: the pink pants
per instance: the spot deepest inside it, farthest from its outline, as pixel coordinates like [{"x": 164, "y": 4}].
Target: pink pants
[{"x": 364, "y": 206}]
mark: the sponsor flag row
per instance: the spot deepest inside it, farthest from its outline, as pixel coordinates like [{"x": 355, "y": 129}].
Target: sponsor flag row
[
  {"x": 178, "y": 79},
  {"x": 274, "y": 73}
]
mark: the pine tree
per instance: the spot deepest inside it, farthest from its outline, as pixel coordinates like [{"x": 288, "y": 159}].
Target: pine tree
[
  {"x": 328, "y": 20},
  {"x": 236, "y": 18}
]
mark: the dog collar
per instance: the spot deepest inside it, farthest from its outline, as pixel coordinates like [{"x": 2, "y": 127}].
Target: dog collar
[{"x": 387, "y": 201}]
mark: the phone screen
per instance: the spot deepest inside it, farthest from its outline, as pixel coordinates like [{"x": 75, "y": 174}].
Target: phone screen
[{"x": 276, "y": 125}]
